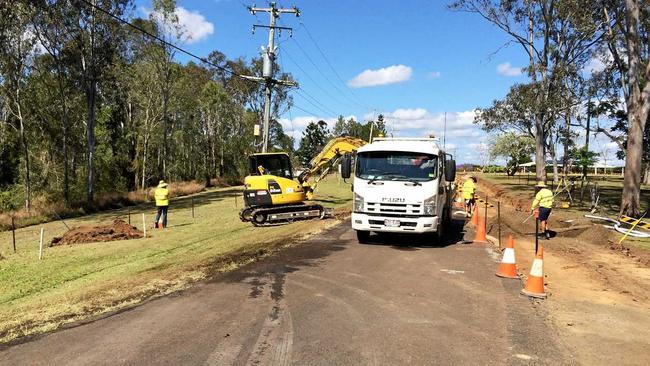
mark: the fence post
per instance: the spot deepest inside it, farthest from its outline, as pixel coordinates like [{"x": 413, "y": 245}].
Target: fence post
[
  {"x": 144, "y": 226},
  {"x": 192, "y": 207},
  {"x": 40, "y": 246},
  {"x": 499, "y": 220},
  {"x": 13, "y": 231},
  {"x": 536, "y": 234},
  {"x": 129, "y": 215}
]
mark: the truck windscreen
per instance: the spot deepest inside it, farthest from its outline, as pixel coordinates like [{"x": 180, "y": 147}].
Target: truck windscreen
[{"x": 394, "y": 165}]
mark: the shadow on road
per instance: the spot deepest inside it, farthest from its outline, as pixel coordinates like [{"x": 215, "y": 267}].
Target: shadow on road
[{"x": 407, "y": 242}]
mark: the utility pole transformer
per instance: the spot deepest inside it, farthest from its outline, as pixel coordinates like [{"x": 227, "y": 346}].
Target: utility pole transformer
[{"x": 269, "y": 59}]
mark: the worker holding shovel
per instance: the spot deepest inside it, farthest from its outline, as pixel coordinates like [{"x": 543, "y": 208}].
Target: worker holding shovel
[
  {"x": 162, "y": 204},
  {"x": 543, "y": 199}
]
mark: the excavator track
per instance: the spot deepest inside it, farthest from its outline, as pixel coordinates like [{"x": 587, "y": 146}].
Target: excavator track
[{"x": 270, "y": 216}]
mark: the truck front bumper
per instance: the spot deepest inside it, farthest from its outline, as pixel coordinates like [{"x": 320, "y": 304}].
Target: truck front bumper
[{"x": 423, "y": 224}]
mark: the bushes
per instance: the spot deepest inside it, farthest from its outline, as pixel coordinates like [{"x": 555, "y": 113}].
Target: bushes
[{"x": 44, "y": 209}]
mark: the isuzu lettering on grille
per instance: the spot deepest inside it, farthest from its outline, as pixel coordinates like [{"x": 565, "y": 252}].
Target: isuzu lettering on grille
[{"x": 393, "y": 200}]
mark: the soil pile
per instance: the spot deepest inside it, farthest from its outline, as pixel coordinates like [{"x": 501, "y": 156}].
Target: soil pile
[{"x": 118, "y": 230}]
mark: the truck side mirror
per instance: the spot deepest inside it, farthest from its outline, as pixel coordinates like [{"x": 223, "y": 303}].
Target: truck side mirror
[
  {"x": 346, "y": 166},
  {"x": 450, "y": 170}
]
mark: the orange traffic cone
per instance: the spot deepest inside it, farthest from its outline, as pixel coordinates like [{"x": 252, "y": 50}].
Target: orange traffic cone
[
  {"x": 481, "y": 234},
  {"x": 535, "y": 283},
  {"x": 508, "y": 266},
  {"x": 475, "y": 215}
]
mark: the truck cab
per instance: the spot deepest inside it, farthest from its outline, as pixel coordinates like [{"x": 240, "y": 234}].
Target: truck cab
[{"x": 402, "y": 185}]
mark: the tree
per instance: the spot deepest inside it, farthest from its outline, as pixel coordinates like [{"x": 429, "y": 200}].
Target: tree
[
  {"x": 313, "y": 140},
  {"x": 627, "y": 41},
  {"x": 558, "y": 37},
  {"x": 98, "y": 38},
  {"x": 16, "y": 54},
  {"x": 516, "y": 148}
]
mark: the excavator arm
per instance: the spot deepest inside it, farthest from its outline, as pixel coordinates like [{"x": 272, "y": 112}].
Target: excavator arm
[{"x": 321, "y": 164}]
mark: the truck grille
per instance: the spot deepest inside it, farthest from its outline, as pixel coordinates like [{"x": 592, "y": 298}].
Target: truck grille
[
  {"x": 403, "y": 223},
  {"x": 394, "y": 208}
]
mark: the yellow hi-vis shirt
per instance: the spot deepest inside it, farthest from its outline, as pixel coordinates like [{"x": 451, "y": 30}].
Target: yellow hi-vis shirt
[
  {"x": 162, "y": 196},
  {"x": 543, "y": 198},
  {"x": 469, "y": 188}
]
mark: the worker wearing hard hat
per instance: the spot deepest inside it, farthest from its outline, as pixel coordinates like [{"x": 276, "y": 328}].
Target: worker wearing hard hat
[
  {"x": 161, "y": 195},
  {"x": 543, "y": 199},
  {"x": 468, "y": 191}
]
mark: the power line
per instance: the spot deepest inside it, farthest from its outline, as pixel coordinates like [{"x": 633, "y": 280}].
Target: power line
[
  {"x": 306, "y": 111},
  {"x": 330, "y": 64},
  {"x": 316, "y": 103},
  {"x": 321, "y": 71},
  {"x": 312, "y": 79},
  {"x": 143, "y": 31}
]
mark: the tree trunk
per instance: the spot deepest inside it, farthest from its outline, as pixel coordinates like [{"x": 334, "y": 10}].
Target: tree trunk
[
  {"x": 637, "y": 105},
  {"x": 566, "y": 145},
  {"x": 646, "y": 172},
  {"x": 144, "y": 160},
  {"x": 91, "y": 93},
  {"x": 23, "y": 142},
  {"x": 553, "y": 154},
  {"x": 64, "y": 129},
  {"x": 540, "y": 150}
]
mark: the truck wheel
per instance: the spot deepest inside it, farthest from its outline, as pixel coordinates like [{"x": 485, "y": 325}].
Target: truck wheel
[{"x": 363, "y": 236}]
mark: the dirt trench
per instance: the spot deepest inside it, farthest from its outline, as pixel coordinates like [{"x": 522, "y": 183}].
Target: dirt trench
[{"x": 599, "y": 292}]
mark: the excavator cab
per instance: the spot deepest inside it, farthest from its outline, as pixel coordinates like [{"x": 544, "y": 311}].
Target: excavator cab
[{"x": 277, "y": 164}]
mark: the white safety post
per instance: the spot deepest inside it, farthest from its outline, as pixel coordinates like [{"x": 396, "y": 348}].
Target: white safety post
[
  {"x": 40, "y": 247},
  {"x": 144, "y": 226}
]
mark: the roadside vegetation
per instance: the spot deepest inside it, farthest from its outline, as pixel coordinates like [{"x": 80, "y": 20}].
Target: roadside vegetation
[
  {"x": 520, "y": 190},
  {"x": 73, "y": 282}
]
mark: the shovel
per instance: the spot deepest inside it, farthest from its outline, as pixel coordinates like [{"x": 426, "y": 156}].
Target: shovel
[{"x": 529, "y": 216}]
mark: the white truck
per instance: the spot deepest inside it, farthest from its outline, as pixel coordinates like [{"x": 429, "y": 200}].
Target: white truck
[{"x": 401, "y": 185}]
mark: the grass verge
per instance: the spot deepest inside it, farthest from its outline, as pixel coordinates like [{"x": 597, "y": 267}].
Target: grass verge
[{"x": 74, "y": 282}]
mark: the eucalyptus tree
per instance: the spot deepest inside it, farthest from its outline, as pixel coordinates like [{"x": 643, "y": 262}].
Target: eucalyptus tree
[
  {"x": 16, "y": 60},
  {"x": 98, "y": 39},
  {"x": 627, "y": 28},
  {"x": 557, "y": 36}
]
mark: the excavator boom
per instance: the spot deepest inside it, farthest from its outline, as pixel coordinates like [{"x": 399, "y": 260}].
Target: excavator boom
[
  {"x": 320, "y": 164},
  {"x": 273, "y": 197}
]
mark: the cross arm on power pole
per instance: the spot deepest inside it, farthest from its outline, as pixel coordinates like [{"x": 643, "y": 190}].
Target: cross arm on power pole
[
  {"x": 253, "y": 9},
  {"x": 268, "y": 61}
]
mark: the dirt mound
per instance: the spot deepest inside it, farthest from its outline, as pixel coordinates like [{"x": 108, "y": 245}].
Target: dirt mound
[{"x": 118, "y": 230}]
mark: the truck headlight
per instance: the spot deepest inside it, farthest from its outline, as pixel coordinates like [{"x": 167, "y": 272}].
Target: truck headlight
[
  {"x": 358, "y": 203},
  {"x": 430, "y": 206}
]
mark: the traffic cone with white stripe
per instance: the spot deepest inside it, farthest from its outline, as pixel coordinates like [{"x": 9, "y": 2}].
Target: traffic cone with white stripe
[
  {"x": 508, "y": 266},
  {"x": 535, "y": 283},
  {"x": 475, "y": 215}
]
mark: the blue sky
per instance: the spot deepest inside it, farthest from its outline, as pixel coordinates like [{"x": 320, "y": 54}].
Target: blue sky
[{"x": 410, "y": 60}]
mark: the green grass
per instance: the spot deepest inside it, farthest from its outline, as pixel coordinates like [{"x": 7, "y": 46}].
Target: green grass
[{"x": 72, "y": 282}]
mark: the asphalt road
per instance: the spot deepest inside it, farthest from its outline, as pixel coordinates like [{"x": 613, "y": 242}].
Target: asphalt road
[{"x": 329, "y": 301}]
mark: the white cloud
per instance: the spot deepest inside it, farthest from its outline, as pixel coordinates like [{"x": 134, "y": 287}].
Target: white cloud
[
  {"x": 384, "y": 76},
  {"x": 508, "y": 70},
  {"x": 294, "y": 127},
  {"x": 594, "y": 65},
  {"x": 194, "y": 26},
  {"x": 434, "y": 74}
]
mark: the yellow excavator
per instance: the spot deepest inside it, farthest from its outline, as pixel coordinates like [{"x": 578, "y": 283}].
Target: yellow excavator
[{"x": 272, "y": 197}]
